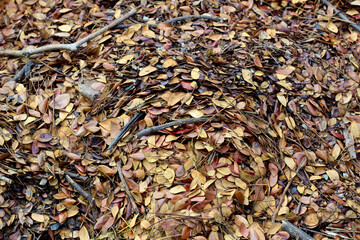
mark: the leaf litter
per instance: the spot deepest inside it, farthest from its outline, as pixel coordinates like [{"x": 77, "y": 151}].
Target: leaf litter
[{"x": 272, "y": 91}]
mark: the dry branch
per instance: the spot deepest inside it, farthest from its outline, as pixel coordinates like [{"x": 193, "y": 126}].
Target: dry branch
[
  {"x": 294, "y": 231},
  {"x": 79, "y": 189},
  {"x": 126, "y": 187},
  {"x": 124, "y": 131},
  {"x": 150, "y": 130},
  {"x": 72, "y": 47},
  {"x": 177, "y": 20},
  {"x": 75, "y": 175},
  {"x": 26, "y": 70},
  {"x": 342, "y": 15}
]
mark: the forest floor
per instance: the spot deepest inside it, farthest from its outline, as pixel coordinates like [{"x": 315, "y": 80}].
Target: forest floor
[{"x": 256, "y": 103}]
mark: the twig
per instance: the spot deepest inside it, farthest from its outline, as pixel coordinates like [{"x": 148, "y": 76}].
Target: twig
[
  {"x": 124, "y": 131},
  {"x": 150, "y": 130},
  {"x": 126, "y": 187},
  {"x": 8, "y": 180},
  {"x": 75, "y": 175},
  {"x": 234, "y": 100},
  {"x": 26, "y": 70},
  {"x": 72, "y": 47},
  {"x": 342, "y": 15},
  {"x": 301, "y": 165},
  {"x": 79, "y": 189},
  {"x": 294, "y": 231},
  {"x": 177, "y": 20}
]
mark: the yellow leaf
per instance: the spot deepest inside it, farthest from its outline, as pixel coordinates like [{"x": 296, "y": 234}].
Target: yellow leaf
[
  {"x": 65, "y": 28},
  {"x": 354, "y": 129},
  {"x": 177, "y": 189},
  {"x": 290, "y": 163},
  {"x": 195, "y": 113},
  {"x": 282, "y": 99},
  {"x": 84, "y": 234},
  {"x": 332, "y": 27},
  {"x": 333, "y": 174},
  {"x": 224, "y": 170},
  {"x": 133, "y": 221},
  {"x": 147, "y": 70},
  {"x": 147, "y": 32},
  {"x": 336, "y": 151},
  {"x": 355, "y": 3},
  {"x": 39, "y": 217},
  {"x": 169, "y": 62},
  {"x": 195, "y": 73}
]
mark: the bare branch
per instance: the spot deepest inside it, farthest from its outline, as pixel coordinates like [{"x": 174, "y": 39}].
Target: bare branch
[
  {"x": 177, "y": 20},
  {"x": 124, "y": 131},
  {"x": 79, "y": 189},
  {"x": 71, "y": 47},
  {"x": 342, "y": 15},
  {"x": 294, "y": 231},
  {"x": 26, "y": 70},
  {"x": 150, "y": 130}
]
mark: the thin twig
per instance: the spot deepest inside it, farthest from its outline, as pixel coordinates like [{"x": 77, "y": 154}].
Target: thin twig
[
  {"x": 342, "y": 15},
  {"x": 79, "y": 189},
  {"x": 126, "y": 187},
  {"x": 8, "y": 180},
  {"x": 234, "y": 100},
  {"x": 294, "y": 231},
  {"x": 150, "y": 130},
  {"x": 72, "y": 47},
  {"x": 301, "y": 165},
  {"x": 176, "y": 20}
]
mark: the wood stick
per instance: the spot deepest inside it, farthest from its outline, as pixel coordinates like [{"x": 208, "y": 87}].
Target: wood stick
[
  {"x": 150, "y": 130},
  {"x": 342, "y": 15},
  {"x": 75, "y": 175},
  {"x": 126, "y": 187},
  {"x": 294, "y": 231},
  {"x": 26, "y": 70},
  {"x": 72, "y": 47},
  {"x": 79, "y": 189},
  {"x": 124, "y": 131},
  {"x": 177, "y": 20}
]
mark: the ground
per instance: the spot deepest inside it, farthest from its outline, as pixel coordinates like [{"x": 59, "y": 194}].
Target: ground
[{"x": 260, "y": 98}]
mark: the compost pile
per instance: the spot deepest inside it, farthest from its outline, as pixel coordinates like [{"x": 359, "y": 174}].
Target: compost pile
[{"x": 267, "y": 94}]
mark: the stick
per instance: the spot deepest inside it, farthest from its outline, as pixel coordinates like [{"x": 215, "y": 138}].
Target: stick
[
  {"x": 75, "y": 175},
  {"x": 343, "y": 16},
  {"x": 72, "y": 47},
  {"x": 5, "y": 179},
  {"x": 26, "y": 70},
  {"x": 150, "y": 130},
  {"x": 176, "y": 20},
  {"x": 79, "y": 189},
  {"x": 124, "y": 131},
  {"x": 294, "y": 231},
  {"x": 286, "y": 189},
  {"x": 126, "y": 187}
]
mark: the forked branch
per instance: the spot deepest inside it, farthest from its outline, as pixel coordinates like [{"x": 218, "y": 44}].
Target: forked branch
[{"x": 71, "y": 47}]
